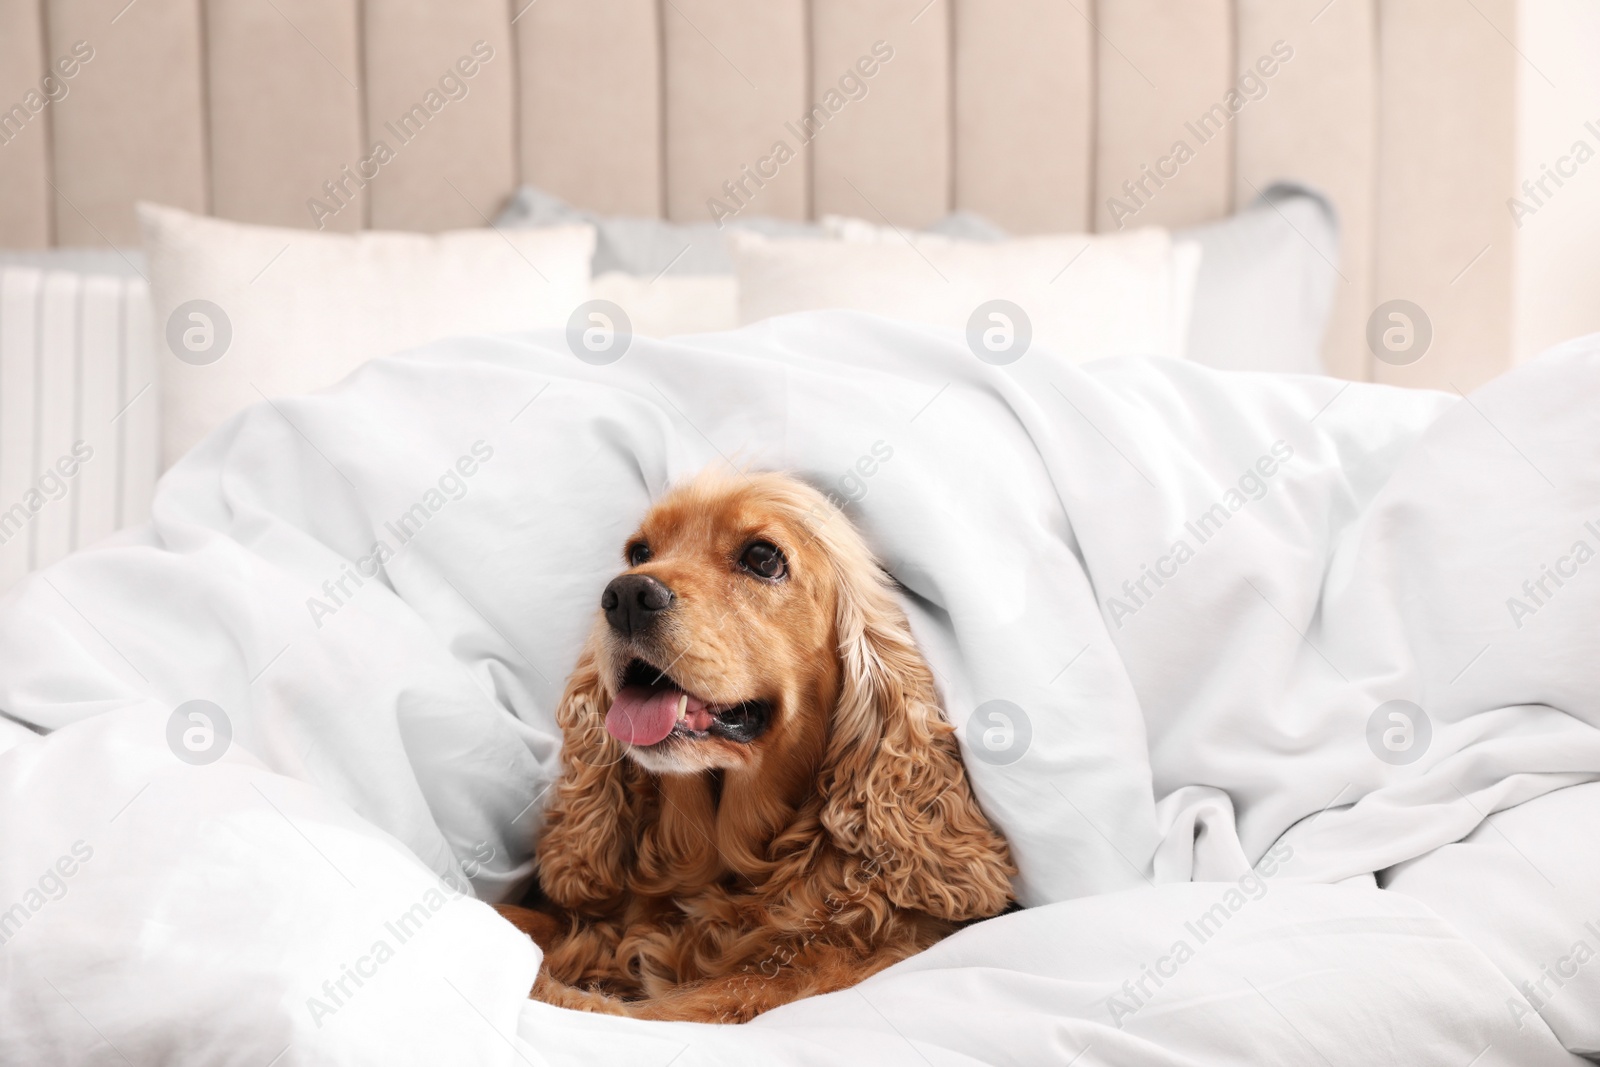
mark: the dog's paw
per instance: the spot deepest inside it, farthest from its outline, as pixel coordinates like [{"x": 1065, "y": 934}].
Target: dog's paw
[
  {"x": 721, "y": 1001},
  {"x": 553, "y": 991}
]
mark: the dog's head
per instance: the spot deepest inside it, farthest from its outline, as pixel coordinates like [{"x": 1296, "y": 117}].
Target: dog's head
[
  {"x": 718, "y": 644},
  {"x": 752, "y": 634}
]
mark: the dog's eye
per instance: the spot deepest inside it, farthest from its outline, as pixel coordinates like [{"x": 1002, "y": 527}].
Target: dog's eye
[
  {"x": 764, "y": 560},
  {"x": 638, "y": 553}
]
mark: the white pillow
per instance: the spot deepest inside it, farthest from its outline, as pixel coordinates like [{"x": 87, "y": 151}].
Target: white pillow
[
  {"x": 669, "y": 305},
  {"x": 1084, "y": 296},
  {"x": 291, "y": 311}
]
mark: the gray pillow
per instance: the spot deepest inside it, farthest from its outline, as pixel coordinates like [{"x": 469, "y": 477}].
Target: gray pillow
[
  {"x": 1261, "y": 299},
  {"x": 649, "y": 246},
  {"x": 645, "y": 246},
  {"x": 967, "y": 226},
  {"x": 1266, "y": 283}
]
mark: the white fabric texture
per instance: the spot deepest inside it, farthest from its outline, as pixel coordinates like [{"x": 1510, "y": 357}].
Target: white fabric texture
[
  {"x": 207, "y": 915},
  {"x": 1525, "y": 892},
  {"x": 1298, "y": 976},
  {"x": 1368, "y": 541},
  {"x": 1087, "y": 297},
  {"x": 304, "y": 309}
]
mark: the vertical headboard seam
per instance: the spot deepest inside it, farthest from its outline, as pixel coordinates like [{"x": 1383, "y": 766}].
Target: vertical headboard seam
[
  {"x": 1369, "y": 359},
  {"x": 954, "y": 129},
  {"x": 1232, "y": 188},
  {"x": 662, "y": 111},
  {"x": 363, "y": 128},
  {"x": 1093, "y": 138},
  {"x": 512, "y": 47},
  {"x": 49, "y": 133},
  {"x": 809, "y": 74},
  {"x": 207, "y": 142}
]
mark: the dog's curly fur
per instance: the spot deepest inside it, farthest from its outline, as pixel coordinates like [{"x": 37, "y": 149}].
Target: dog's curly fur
[{"x": 743, "y": 876}]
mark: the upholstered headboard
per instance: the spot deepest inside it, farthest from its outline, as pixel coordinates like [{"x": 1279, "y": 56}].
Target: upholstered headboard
[{"x": 1042, "y": 114}]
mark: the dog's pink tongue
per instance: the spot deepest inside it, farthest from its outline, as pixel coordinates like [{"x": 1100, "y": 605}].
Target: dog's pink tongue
[{"x": 641, "y": 716}]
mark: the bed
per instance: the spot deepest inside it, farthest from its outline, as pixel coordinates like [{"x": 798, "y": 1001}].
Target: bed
[{"x": 1269, "y": 646}]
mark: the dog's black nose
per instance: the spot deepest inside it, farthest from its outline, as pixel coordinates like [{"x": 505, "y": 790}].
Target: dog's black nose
[{"x": 633, "y": 601}]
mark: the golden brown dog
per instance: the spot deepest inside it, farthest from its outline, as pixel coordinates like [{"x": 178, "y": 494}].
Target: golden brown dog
[{"x": 759, "y": 798}]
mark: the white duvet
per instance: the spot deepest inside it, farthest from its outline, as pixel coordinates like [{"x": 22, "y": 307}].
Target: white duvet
[{"x": 261, "y": 757}]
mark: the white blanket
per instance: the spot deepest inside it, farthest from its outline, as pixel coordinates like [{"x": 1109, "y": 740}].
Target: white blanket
[{"x": 1198, "y": 594}]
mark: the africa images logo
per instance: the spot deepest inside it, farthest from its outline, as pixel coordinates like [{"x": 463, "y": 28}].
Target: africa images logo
[
  {"x": 337, "y": 991},
  {"x": 450, "y": 486},
  {"x": 1539, "y": 589},
  {"x": 851, "y": 86},
  {"x": 1252, "y": 484},
  {"x": 1136, "y": 993},
  {"x": 53, "y": 484}
]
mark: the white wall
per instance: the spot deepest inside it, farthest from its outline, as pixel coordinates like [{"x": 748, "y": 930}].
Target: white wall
[{"x": 1558, "y": 246}]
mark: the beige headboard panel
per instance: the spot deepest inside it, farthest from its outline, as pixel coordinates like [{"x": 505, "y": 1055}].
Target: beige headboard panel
[{"x": 1033, "y": 112}]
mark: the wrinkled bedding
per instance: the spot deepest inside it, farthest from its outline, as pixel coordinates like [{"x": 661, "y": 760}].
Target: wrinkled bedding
[{"x": 1218, "y": 647}]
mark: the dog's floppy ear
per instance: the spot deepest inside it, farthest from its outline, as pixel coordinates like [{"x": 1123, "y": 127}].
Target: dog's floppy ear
[
  {"x": 893, "y": 787},
  {"x": 588, "y": 841}
]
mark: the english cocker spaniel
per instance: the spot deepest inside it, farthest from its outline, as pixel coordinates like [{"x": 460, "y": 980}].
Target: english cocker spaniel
[{"x": 759, "y": 798}]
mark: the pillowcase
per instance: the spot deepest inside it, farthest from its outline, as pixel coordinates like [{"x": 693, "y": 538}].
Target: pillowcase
[
  {"x": 667, "y": 306},
  {"x": 652, "y": 247},
  {"x": 244, "y": 311},
  {"x": 642, "y": 245},
  {"x": 1266, "y": 283},
  {"x": 1262, "y": 296},
  {"x": 1083, "y": 296}
]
